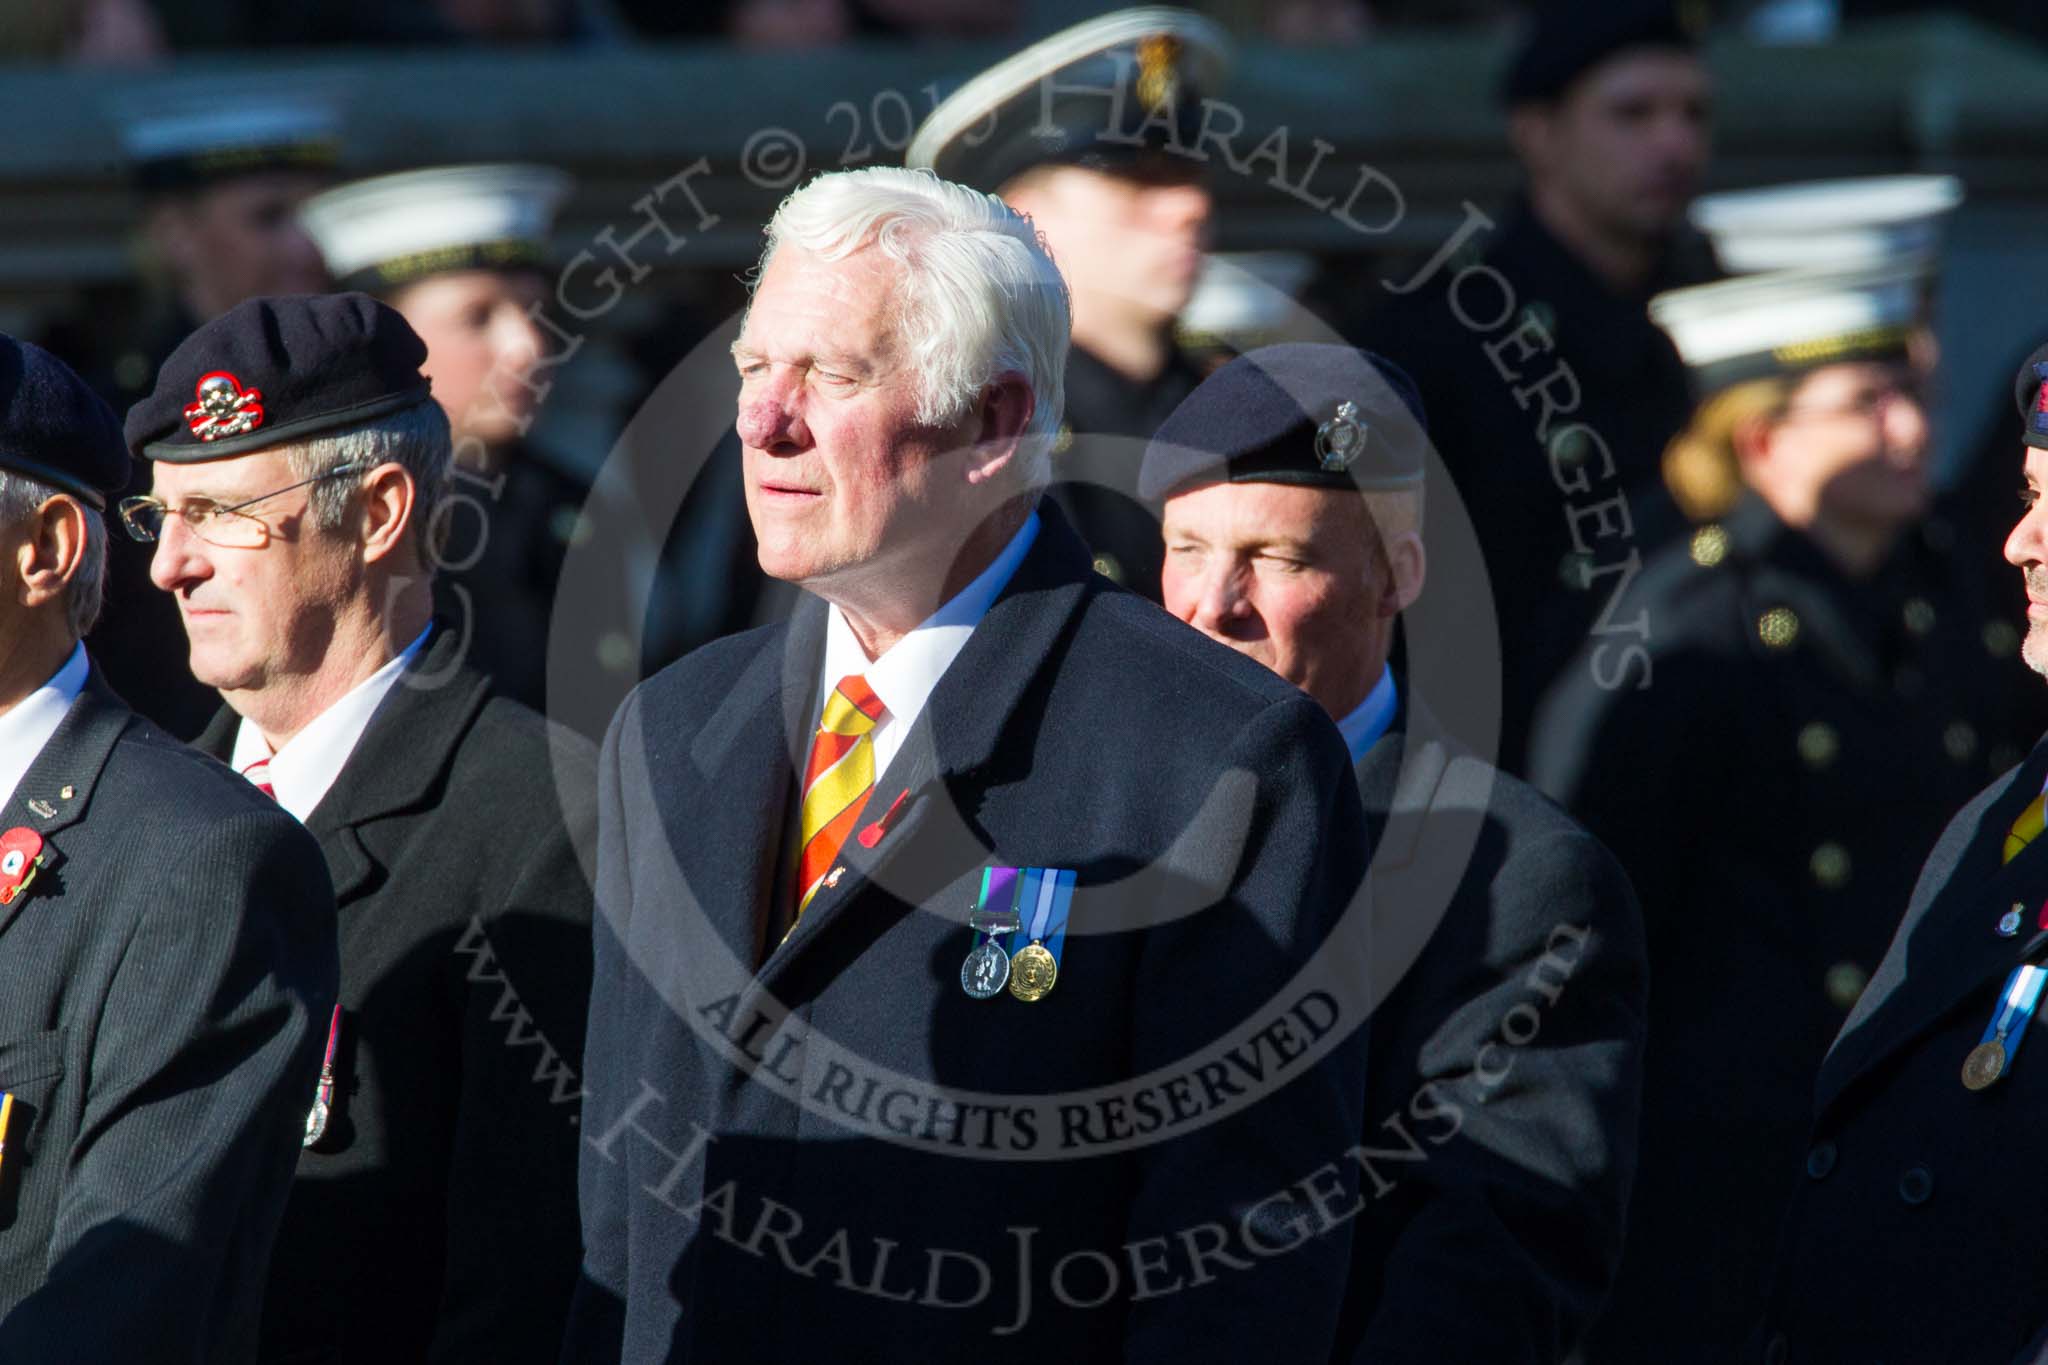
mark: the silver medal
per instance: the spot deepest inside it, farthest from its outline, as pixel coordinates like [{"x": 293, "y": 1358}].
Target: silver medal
[{"x": 986, "y": 970}]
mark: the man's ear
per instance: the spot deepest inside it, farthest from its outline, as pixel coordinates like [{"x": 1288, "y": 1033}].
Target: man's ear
[
  {"x": 1001, "y": 413},
  {"x": 1752, "y": 438},
  {"x": 1406, "y": 567},
  {"x": 49, "y": 556},
  {"x": 1531, "y": 128},
  {"x": 389, "y": 506}
]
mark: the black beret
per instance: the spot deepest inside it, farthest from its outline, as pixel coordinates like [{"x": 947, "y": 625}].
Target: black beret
[
  {"x": 54, "y": 429},
  {"x": 270, "y": 371},
  {"x": 2030, "y": 391},
  {"x": 1316, "y": 415},
  {"x": 1120, "y": 92},
  {"x": 1570, "y": 38}
]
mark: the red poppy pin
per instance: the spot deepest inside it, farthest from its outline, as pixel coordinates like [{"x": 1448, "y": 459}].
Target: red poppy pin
[
  {"x": 224, "y": 408},
  {"x": 21, "y": 856}
]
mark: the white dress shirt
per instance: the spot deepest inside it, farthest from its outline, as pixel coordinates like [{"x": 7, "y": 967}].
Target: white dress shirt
[
  {"x": 1370, "y": 718},
  {"x": 302, "y": 771},
  {"x": 27, "y": 726},
  {"x": 909, "y": 669}
]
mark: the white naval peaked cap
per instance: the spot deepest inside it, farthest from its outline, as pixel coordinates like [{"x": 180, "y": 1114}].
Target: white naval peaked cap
[
  {"x": 181, "y": 136},
  {"x": 1828, "y": 223},
  {"x": 387, "y": 231},
  {"x": 1786, "y": 321}
]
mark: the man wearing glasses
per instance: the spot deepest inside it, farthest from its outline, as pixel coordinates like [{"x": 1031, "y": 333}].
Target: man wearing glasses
[
  {"x": 167, "y": 954},
  {"x": 298, "y": 461}
]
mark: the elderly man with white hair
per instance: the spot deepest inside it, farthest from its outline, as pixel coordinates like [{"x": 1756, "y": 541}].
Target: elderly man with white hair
[{"x": 961, "y": 963}]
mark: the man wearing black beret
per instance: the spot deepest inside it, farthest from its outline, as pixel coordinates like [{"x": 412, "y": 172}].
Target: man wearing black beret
[
  {"x": 1508, "y": 1038},
  {"x": 167, "y": 955},
  {"x": 1910, "y": 1236},
  {"x": 1550, "y": 391},
  {"x": 1094, "y": 134},
  {"x": 298, "y": 462}
]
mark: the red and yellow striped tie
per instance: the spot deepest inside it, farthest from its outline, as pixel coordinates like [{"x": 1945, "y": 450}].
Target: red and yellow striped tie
[
  {"x": 837, "y": 780},
  {"x": 2027, "y": 828}
]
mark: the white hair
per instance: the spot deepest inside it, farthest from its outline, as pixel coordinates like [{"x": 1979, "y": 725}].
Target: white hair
[
  {"x": 416, "y": 437},
  {"x": 980, "y": 296},
  {"x": 20, "y": 496}
]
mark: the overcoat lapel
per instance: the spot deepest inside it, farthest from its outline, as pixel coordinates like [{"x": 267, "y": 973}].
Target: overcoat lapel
[{"x": 1947, "y": 949}]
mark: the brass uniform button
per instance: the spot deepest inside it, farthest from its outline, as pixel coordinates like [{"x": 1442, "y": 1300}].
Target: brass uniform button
[
  {"x": 1109, "y": 568},
  {"x": 1960, "y": 739},
  {"x": 1844, "y": 985},
  {"x": 1709, "y": 545},
  {"x": 1819, "y": 743},
  {"x": 1778, "y": 628},
  {"x": 1830, "y": 865}
]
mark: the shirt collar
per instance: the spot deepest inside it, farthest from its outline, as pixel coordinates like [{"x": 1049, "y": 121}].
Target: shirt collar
[
  {"x": 307, "y": 766},
  {"x": 1370, "y": 718},
  {"x": 27, "y": 726},
  {"x": 908, "y": 670}
]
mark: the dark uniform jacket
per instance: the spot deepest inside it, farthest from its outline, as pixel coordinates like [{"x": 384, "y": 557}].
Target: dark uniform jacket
[
  {"x": 436, "y": 1220},
  {"x": 1767, "y": 772},
  {"x": 1102, "y": 441},
  {"x": 165, "y": 981},
  {"x": 1208, "y": 810},
  {"x": 1508, "y": 1051},
  {"x": 512, "y": 530},
  {"x": 1914, "y": 1231},
  {"x": 1520, "y": 430}
]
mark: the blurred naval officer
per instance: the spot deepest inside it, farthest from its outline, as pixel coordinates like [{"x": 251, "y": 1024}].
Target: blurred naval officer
[
  {"x": 1293, "y": 487},
  {"x": 167, "y": 954},
  {"x": 1805, "y": 711},
  {"x": 462, "y": 253},
  {"x": 1551, "y": 393},
  {"x": 220, "y": 176},
  {"x": 1092, "y": 133},
  {"x": 297, "y": 455},
  {"x": 1910, "y": 1235}
]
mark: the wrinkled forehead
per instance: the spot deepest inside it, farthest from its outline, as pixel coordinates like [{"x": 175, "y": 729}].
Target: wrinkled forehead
[
  {"x": 811, "y": 305},
  {"x": 223, "y": 481}
]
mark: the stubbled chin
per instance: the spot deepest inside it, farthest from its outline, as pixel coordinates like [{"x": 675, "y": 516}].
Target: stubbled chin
[{"x": 2034, "y": 649}]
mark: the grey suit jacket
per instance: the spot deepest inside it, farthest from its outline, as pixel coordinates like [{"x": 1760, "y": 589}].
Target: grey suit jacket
[{"x": 165, "y": 983}]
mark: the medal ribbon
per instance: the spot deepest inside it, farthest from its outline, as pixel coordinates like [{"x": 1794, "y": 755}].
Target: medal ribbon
[
  {"x": 1049, "y": 891},
  {"x": 998, "y": 899},
  {"x": 2016, "y": 1007}
]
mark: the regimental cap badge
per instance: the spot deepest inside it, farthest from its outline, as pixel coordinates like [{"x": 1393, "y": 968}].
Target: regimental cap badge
[
  {"x": 224, "y": 407},
  {"x": 2037, "y": 424},
  {"x": 1158, "y": 70},
  {"x": 1341, "y": 440}
]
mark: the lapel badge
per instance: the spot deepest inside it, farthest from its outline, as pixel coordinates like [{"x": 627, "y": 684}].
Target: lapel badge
[
  {"x": 1340, "y": 440},
  {"x": 224, "y": 407},
  {"x": 1158, "y": 74},
  {"x": 832, "y": 877},
  {"x": 41, "y": 808},
  {"x": 21, "y": 857},
  {"x": 2009, "y": 922}
]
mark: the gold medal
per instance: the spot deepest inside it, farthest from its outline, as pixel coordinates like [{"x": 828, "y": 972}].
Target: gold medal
[
  {"x": 1985, "y": 1064},
  {"x": 1032, "y": 972}
]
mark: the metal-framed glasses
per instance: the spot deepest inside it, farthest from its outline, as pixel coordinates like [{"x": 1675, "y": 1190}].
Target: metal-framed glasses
[{"x": 228, "y": 527}]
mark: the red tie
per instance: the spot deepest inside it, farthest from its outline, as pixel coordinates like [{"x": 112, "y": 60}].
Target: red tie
[{"x": 259, "y": 773}]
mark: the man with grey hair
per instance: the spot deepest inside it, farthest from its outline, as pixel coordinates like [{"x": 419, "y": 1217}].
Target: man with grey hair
[
  {"x": 954, "y": 1001},
  {"x": 169, "y": 954},
  {"x": 298, "y": 463}
]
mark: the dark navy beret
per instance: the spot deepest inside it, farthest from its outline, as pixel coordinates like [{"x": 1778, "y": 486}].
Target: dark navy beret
[
  {"x": 2030, "y": 391},
  {"x": 54, "y": 429},
  {"x": 270, "y": 371},
  {"x": 1570, "y": 38},
  {"x": 1320, "y": 416},
  {"x": 1120, "y": 93}
]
